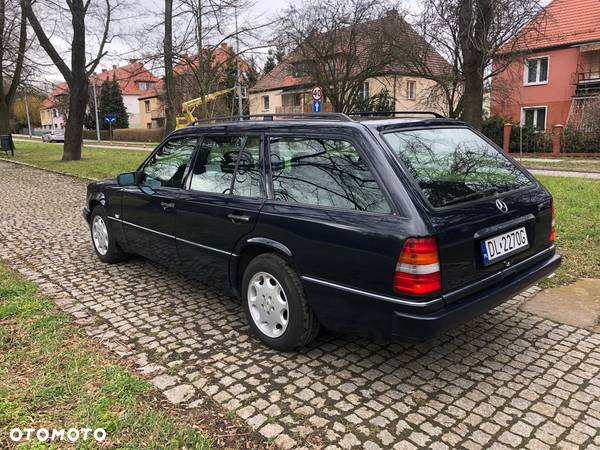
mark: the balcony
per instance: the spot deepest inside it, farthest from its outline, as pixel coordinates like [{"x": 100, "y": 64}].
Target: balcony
[{"x": 587, "y": 83}]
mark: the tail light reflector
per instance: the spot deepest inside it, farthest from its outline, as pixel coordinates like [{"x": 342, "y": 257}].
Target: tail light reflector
[{"x": 418, "y": 267}]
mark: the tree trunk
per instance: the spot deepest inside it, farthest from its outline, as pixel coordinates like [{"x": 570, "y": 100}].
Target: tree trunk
[
  {"x": 472, "y": 112},
  {"x": 78, "y": 100},
  {"x": 169, "y": 78}
]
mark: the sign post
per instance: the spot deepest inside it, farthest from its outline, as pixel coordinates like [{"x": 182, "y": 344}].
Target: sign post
[
  {"x": 110, "y": 119},
  {"x": 317, "y": 96}
]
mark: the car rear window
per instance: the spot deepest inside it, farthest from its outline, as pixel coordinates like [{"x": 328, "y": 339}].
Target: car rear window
[{"x": 454, "y": 165}]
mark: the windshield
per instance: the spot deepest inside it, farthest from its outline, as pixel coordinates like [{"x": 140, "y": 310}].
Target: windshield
[{"x": 454, "y": 165}]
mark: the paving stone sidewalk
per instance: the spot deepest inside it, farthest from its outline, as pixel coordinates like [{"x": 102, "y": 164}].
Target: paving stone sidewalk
[{"x": 506, "y": 380}]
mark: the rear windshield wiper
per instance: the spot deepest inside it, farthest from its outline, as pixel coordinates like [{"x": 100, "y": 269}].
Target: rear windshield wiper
[{"x": 471, "y": 196}]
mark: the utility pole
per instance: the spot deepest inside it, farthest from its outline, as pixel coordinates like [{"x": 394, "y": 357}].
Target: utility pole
[
  {"x": 237, "y": 58},
  {"x": 96, "y": 110},
  {"x": 28, "y": 119}
]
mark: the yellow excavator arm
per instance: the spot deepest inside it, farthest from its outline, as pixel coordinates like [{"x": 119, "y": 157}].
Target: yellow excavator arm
[{"x": 187, "y": 108}]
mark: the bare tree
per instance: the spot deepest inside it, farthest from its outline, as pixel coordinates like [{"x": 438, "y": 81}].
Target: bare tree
[
  {"x": 13, "y": 43},
  {"x": 215, "y": 48},
  {"x": 470, "y": 34},
  {"x": 88, "y": 19},
  {"x": 337, "y": 44}
]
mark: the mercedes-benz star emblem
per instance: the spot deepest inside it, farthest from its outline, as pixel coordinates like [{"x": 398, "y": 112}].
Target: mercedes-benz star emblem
[{"x": 501, "y": 206}]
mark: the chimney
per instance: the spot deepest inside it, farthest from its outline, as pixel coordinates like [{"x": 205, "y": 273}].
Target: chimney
[
  {"x": 224, "y": 45},
  {"x": 114, "y": 67},
  {"x": 103, "y": 70}
]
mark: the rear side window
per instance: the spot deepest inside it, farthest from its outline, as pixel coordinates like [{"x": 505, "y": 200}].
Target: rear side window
[
  {"x": 454, "y": 165},
  {"x": 218, "y": 159},
  {"x": 323, "y": 172}
]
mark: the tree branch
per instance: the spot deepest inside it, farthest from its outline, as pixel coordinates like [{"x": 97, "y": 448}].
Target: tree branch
[{"x": 45, "y": 41}]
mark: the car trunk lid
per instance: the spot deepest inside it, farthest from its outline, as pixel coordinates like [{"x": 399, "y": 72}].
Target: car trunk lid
[{"x": 461, "y": 231}]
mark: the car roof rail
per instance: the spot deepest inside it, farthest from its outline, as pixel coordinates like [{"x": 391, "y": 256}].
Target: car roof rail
[
  {"x": 267, "y": 117},
  {"x": 395, "y": 113}
]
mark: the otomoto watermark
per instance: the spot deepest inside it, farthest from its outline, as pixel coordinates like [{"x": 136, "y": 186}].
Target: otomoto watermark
[{"x": 57, "y": 435}]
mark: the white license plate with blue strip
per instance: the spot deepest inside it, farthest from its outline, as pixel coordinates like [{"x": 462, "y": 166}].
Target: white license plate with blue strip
[{"x": 503, "y": 245}]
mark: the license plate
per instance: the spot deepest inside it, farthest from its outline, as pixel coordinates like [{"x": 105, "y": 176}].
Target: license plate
[{"x": 503, "y": 245}]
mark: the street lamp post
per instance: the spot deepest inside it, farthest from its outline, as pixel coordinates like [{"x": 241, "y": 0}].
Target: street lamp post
[
  {"x": 237, "y": 60},
  {"x": 96, "y": 110},
  {"x": 28, "y": 119}
]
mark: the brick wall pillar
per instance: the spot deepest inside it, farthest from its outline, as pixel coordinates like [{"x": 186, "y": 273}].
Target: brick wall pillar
[
  {"x": 506, "y": 137},
  {"x": 556, "y": 132}
]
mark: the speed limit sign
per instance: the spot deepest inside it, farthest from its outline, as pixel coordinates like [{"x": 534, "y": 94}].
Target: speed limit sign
[{"x": 317, "y": 93}]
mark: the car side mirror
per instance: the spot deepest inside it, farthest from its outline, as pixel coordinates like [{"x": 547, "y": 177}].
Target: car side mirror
[{"x": 130, "y": 178}]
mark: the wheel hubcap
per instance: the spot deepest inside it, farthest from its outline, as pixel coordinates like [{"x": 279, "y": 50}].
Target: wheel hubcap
[
  {"x": 100, "y": 235},
  {"x": 268, "y": 304}
]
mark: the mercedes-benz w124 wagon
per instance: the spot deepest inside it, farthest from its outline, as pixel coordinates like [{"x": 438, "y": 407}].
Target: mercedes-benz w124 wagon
[{"x": 391, "y": 227}]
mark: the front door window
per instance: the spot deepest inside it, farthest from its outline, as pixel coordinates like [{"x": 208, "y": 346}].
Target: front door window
[{"x": 168, "y": 166}]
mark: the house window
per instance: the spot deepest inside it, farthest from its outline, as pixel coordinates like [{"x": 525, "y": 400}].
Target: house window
[
  {"x": 534, "y": 117},
  {"x": 147, "y": 105},
  {"x": 265, "y": 102},
  {"x": 536, "y": 70},
  {"x": 365, "y": 91},
  {"x": 142, "y": 86},
  {"x": 411, "y": 90},
  {"x": 55, "y": 112}
]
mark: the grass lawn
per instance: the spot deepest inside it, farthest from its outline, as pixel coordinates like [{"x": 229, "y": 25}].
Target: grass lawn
[
  {"x": 592, "y": 165},
  {"x": 577, "y": 206},
  {"x": 95, "y": 162},
  {"x": 52, "y": 376}
]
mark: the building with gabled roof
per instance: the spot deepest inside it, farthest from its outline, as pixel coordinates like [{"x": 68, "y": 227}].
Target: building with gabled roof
[
  {"x": 133, "y": 79},
  {"x": 559, "y": 74},
  {"x": 285, "y": 89}
]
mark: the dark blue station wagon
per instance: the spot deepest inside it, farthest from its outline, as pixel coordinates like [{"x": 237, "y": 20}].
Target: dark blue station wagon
[{"x": 390, "y": 227}]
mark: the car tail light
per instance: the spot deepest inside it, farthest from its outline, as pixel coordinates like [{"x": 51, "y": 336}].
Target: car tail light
[
  {"x": 553, "y": 225},
  {"x": 418, "y": 267}
]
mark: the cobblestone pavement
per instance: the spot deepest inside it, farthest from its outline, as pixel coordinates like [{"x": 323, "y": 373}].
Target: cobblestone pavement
[{"x": 509, "y": 379}]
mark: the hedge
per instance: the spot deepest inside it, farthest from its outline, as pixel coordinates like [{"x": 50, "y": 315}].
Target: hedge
[
  {"x": 129, "y": 134},
  {"x": 575, "y": 141}
]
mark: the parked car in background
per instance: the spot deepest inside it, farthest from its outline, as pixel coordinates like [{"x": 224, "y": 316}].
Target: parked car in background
[
  {"x": 394, "y": 227},
  {"x": 54, "y": 136}
]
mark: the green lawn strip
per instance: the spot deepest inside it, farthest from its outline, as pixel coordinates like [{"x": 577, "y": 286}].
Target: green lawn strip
[
  {"x": 564, "y": 165},
  {"x": 95, "y": 162},
  {"x": 52, "y": 376},
  {"x": 577, "y": 203}
]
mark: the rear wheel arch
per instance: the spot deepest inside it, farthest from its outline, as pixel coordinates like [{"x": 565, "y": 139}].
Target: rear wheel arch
[{"x": 255, "y": 248}]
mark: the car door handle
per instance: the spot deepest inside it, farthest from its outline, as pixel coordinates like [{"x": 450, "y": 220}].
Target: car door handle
[
  {"x": 238, "y": 218},
  {"x": 167, "y": 205}
]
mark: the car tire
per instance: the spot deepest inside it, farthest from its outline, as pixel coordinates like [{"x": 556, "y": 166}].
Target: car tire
[
  {"x": 275, "y": 304},
  {"x": 103, "y": 241}
]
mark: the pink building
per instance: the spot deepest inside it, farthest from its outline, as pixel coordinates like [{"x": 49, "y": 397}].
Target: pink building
[{"x": 560, "y": 74}]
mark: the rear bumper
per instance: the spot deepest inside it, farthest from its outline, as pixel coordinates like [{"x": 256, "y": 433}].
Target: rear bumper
[{"x": 351, "y": 311}]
